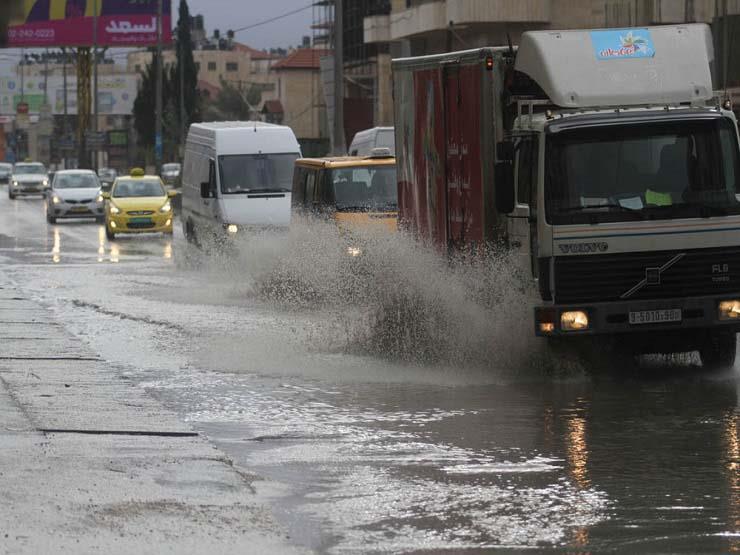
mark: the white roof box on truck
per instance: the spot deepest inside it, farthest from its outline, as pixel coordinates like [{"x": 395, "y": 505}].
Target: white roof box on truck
[{"x": 620, "y": 67}]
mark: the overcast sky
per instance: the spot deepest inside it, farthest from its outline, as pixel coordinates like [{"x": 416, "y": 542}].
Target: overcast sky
[{"x": 233, "y": 14}]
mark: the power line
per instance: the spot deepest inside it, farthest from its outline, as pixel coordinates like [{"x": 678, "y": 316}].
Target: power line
[{"x": 272, "y": 19}]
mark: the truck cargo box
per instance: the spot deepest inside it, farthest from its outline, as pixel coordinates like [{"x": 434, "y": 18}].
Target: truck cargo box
[{"x": 446, "y": 107}]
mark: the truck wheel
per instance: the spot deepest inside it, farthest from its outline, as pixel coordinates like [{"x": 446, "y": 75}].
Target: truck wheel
[{"x": 719, "y": 350}]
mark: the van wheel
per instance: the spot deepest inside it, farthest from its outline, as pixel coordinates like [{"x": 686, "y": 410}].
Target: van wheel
[{"x": 718, "y": 351}]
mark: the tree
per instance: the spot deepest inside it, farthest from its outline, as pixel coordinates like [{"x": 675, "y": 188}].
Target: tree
[
  {"x": 186, "y": 64},
  {"x": 144, "y": 105}
]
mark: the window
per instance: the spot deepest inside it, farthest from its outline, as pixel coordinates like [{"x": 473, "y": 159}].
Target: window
[
  {"x": 232, "y": 66},
  {"x": 197, "y": 66},
  {"x": 211, "y": 66}
]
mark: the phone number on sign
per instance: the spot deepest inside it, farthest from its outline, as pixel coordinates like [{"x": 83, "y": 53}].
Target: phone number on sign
[{"x": 30, "y": 33}]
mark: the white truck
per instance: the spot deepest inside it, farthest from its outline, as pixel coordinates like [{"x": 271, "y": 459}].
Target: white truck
[{"x": 606, "y": 159}]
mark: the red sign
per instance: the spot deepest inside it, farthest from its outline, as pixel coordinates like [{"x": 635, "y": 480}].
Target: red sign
[
  {"x": 22, "y": 108},
  {"x": 88, "y": 22}
]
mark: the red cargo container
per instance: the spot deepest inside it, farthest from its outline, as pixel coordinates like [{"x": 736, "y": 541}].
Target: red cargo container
[{"x": 448, "y": 120}]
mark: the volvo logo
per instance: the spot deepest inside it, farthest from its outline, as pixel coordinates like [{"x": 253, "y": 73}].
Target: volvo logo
[
  {"x": 653, "y": 275},
  {"x": 584, "y": 248}
]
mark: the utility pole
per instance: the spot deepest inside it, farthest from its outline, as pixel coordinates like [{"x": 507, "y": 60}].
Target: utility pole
[
  {"x": 95, "y": 84},
  {"x": 158, "y": 94},
  {"x": 725, "y": 46},
  {"x": 339, "y": 144},
  {"x": 65, "y": 127},
  {"x": 183, "y": 122}
]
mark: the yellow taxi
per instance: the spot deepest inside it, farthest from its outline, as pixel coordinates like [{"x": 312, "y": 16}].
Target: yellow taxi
[
  {"x": 357, "y": 192},
  {"x": 138, "y": 203}
]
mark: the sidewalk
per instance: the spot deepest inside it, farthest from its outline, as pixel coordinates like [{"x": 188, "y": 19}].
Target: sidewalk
[{"x": 89, "y": 462}]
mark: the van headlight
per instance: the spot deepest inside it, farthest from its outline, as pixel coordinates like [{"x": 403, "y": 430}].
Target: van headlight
[
  {"x": 574, "y": 320},
  {"x": 114, "y": 209},
  {"x": 166, "y": 208}
]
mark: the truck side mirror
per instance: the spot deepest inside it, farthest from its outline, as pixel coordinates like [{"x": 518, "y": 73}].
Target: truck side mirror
[
  {"x": 504, "y": 183},
  {"x": 205, "y": 190}
]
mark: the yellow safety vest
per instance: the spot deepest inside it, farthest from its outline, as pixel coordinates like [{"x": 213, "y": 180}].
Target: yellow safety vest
[{"x": 658, "y": 199}]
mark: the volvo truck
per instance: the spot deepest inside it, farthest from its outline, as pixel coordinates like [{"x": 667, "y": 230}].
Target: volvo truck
[{"x": 605, "y": 159}]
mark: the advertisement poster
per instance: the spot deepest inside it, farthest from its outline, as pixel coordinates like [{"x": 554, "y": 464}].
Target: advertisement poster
[
  {"x": 116, "y": 94},
  {"x": 50, "y": 23}
]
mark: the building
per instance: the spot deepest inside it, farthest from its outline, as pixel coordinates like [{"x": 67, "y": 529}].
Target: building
[
  {"x": 419, "y": 27},
  {"x": 301, "y": 98}
]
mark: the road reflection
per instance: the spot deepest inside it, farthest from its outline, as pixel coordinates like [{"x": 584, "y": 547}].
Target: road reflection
[
  {"x": 732, "y": 444},
  {"x": 56, "y": 248}
]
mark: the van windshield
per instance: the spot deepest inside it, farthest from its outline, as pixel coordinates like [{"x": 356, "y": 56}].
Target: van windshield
[
  {"x": 256, "y": 173},
  {"x": 367, "y": 188}
]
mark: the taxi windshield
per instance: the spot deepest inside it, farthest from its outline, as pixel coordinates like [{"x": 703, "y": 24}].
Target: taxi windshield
[
  {"x": 365, "y": 188},
  {"x": 76, "y": 181},
  {"x": 29, "y": 169},
  {"x": 138, "y": 188}
]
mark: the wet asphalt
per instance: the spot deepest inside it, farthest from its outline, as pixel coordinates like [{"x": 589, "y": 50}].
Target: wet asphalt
[{"x": 361, "y": 450}]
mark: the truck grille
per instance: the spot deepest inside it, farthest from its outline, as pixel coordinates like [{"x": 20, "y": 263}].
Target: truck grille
[{"x": 609, "y": 277}]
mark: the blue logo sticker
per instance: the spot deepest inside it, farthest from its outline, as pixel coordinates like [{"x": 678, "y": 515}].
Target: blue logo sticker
[{"x": 622, "y": 43}]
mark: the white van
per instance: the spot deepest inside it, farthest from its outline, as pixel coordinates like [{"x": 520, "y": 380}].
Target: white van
[
  {"x": 369, "y": 139},
  {"x": 237, "y": 176}
]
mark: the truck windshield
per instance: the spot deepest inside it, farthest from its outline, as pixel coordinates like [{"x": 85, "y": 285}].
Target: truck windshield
[
  {"x": 366, "y": 188},
  {"x": 256, "y": 173},
  {"x": 652, "y": 170}
]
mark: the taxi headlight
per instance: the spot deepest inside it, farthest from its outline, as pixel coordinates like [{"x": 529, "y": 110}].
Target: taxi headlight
[
  {"x": 574, "y": 320},
  {"x": 354, "y": 251},
  {"x": 729, "y": 310},
  {"x": 114, "y": 209},
  {"x": 166, "y": 208},
  {"x": 56, "y": 200},
  {"x": 231, "y": 228}
]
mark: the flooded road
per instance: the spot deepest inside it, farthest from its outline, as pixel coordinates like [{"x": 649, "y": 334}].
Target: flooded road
[{"x": 498, "y": 447}]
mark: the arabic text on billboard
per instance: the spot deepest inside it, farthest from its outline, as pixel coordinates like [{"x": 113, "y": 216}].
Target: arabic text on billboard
[{"x": 73, "y": 22}]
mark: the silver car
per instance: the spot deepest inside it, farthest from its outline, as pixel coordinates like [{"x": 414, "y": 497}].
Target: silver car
[
  {"x": 6, "y": 170},
  {"x": 171, "y": 174},
  {"x": 29, "y": 178},
  {"x": 75, "y": 194}
]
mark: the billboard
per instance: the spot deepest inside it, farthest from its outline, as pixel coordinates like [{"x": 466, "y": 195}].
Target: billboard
[
  {"x": 116, "y": 94},
  {"x": 48, "y": 23}
]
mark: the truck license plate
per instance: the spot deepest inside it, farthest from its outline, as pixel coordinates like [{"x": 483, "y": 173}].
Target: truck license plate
[{"x": 655, "y": 316}]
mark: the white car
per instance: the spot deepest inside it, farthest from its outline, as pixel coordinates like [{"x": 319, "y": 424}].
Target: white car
[
  {"x": 29, "y": 178},
  {"x": 75, "y": 194}
]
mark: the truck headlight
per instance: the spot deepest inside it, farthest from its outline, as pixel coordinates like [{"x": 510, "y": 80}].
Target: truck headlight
[
  {"x": 114, "y": 209},
  {"x": 574, "y": 320},
  {"x": 729, "y": 310}
]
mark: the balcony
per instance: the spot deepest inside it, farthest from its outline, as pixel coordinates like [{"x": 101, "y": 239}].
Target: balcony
[
  {"x": 498, "y": 11},
  {"x": 436, "y": 15}
]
